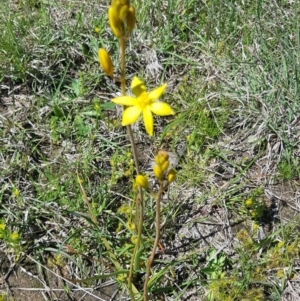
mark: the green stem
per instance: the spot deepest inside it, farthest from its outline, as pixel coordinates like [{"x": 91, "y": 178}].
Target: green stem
[
  {"x": 123, "y": 90},
  {"x": 156, "y": 241},
  {"x": 140, "y": 201}
]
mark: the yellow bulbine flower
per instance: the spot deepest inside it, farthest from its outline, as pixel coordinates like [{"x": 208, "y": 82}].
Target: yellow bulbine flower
[
  {"x": 145, "y": 102},
  {"x": 105, "y": 62},
  {"x": 142, "y": 181}
]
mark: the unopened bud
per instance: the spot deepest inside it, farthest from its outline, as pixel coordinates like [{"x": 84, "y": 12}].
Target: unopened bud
[
  {"x": 116, "y": 24},
  {"x": 161, "y": 157},
  {"x": 171, "y": 176},
  {"x": 165, "y": 166},
  {"x": 159, "y": 174},
  {"x": 105, "y": 62},
  {"x": 142, "y": 181},
  {"x": 122, "y": 13},
  {"x": 131, "y": 18},
  {"x": 117, "y": 3}
]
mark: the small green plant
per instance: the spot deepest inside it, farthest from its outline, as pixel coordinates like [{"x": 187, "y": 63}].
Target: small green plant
[
  {"x": 214, "y": 270},
  {"x": 11, "y": 238},
  {"x": 255, "y": 205},
  {"x": 288, "y": 167}
]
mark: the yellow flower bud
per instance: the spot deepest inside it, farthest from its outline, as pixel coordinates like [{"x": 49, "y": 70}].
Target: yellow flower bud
[
  {"x": 117, "y": 3},
  {"x": 165, "y": 166},
  {"x": 122, "y": 12},
  {"x": 161, "y": 157},
  {"x": 171, "y": 175},
  {"x": 142, "y": 181},
  {"x": 116, "y": 24},
  {"x": 105, "y": 62},
  {"x": 131, "y": 18},
  {"x": 159, "y": 174}
]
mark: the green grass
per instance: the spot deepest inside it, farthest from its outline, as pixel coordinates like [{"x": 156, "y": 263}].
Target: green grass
[{"x": 232, "y": 73}]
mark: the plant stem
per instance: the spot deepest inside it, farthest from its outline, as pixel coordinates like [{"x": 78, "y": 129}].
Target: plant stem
[
  {"x": 156, "y": 241},
  {"x": 140, "y": 201},
  {"x": 123, "y": 90}
]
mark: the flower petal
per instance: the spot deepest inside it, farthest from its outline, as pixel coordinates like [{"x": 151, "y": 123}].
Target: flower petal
[
  {"x": 137, "y": 86},
  {"x": 125, "y": 100},
  {"x": 161, "y": 109},
  {"x": 131, "y": 115},
  {"x": 156, "y": 93},
  {"x": 148, "y": 121}
]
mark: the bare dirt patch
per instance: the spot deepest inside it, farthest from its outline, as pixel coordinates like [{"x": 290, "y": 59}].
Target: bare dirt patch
[{"x": 27, "y": 282}]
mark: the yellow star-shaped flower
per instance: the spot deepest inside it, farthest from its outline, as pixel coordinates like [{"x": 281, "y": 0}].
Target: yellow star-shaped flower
[{"x": 144, "y": 102}]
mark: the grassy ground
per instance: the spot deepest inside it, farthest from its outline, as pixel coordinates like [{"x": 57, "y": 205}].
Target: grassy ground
[{"x": 230, "y": 222}]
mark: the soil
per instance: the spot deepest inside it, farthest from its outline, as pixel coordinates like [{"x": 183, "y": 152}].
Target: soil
[{"x": 26, "y": 284}]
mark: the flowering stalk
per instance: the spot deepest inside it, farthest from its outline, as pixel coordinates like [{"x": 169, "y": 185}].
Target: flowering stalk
[
  {"x": 121, "y": 16},
  {"x": 161, "y": 173},
  {"x": 156, "y": 240},
  {"x": 140, "y": 202}
]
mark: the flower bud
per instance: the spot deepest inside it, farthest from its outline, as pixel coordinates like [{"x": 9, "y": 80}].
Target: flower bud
[
  {"x": 161, "y": 157},
  {"x": 159, "y": 174},
  {"x": 165, "y": 166},
  {"x": 130, "y": 18},
  {"x": 116, "y": 24},
  {"x": 117, "y": 3},
  {"x": 122, "y": 12},
  {"x": 105, "y": 62},
  {"x": 142, "y": 181},
  {"x": 171, "y": 176}
]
